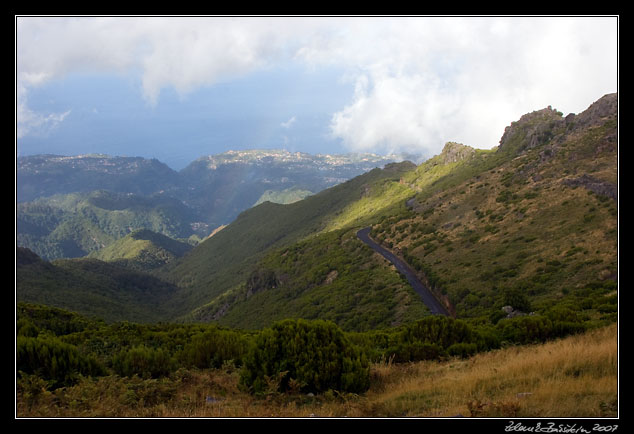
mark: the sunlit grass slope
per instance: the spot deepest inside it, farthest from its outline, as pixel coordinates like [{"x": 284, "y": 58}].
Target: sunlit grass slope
[{"x": 227, "y": 258}]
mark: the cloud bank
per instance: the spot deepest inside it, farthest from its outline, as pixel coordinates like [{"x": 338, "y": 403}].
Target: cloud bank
[{"x": 419, "y": 81}]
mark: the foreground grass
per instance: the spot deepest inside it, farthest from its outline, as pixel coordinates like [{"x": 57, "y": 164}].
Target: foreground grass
[{"x": 571, "y": 377}]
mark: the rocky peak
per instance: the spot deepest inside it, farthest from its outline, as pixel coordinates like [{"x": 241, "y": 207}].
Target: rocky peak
[
  {"x": 600, "y": 110},
  {"x": 531, "y": 130},
  {"x": 539, "y": 127},
  {"x": 454, "y": 152}
]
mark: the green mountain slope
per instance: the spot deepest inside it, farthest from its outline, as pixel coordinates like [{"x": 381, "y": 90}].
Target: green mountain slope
[
  {"x": 222, "y": 186},
  {"x": 71, "y": 206},
  {"x": 142, "y": 250},
  {"x": 331, "y": 276},
  {"x": 227, "y": 258},
  {"x": 531, "y": 224},
  {"x": 73, "y": 225},
  {"x": 542, "y": 222},
  {"x": 92, "y": 287}
]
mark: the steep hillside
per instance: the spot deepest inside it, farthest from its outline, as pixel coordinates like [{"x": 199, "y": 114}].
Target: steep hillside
[
  {"x": 142, "y": 250},
  {"x": 331, "y": 276},
  {"x": 541, "y": 222},
  {"x": 73, "y": 225},
  {"x": 221, "y": 186},
  {"x": 227, "y": 258},
  {"x": 93, "y": 288},
  {"x": 531, "y": 225}
]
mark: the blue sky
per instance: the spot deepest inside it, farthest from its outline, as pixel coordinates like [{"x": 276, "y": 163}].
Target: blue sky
[
  {"x": 176, "y": 88},
  {"x": 281, "y": 108}
]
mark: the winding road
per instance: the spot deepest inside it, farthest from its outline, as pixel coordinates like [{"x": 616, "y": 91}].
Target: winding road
[{"x": 425, "y": 294}]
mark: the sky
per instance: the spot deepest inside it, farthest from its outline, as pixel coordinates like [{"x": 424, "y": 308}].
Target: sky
[{"x": 177, "y": 88}]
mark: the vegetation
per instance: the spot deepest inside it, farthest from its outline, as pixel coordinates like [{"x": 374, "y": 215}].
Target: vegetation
[
  {"x": 76, "y": 224},
  {"x": 93, "y": 287},
  {"x": 142, "y": 250},
  {"x": 73, "y": 366},
  {"x": 519, "y": 242},
  {"x": 288, "y": 195},
  {"x": 72, "y": 206},
  {"x": 305, "y": 356},
  {"x": 332, "y": 277},
  {"x": 228, "y": 258}
]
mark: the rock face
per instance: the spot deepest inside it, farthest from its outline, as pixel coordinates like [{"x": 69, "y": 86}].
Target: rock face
[
  {"x": 605, "y": 107},
  {"x": 511, "y": 312},
  {"x": 538, "y": 127},
  {"x": 598, "y": 187},
  {"x": 531, "y": 130},
  {"x": 454, "y": 152}
]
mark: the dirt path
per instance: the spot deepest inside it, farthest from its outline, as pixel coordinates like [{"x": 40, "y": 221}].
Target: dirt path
[{"x": 425, "y": 294}]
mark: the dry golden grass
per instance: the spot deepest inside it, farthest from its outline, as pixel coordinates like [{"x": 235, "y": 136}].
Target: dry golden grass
[{"x": 572, "y": 377}]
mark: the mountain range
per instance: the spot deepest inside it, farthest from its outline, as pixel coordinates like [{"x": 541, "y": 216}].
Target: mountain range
[
  {"x": 72, "y": 206},
  {"x": 529, "y": 226}
]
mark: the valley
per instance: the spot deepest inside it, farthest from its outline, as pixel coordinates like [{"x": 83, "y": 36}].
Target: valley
[
  {"x": 73, "y": 206},
  {"x": 508, "y": 250}
]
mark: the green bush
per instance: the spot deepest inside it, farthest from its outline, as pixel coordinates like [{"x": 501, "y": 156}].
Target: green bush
[
  {"x": 312, "y": 355},
  {"x": 415, "y": 351},
  {"x": 146, "y": 362},
  {"x": 430, "y": 338},
  {"x": 437, "y": 329},
  {"x": 463, "y": 350},
  {"x": 535, "y": 328},
  {"x": 517, "y": 299},
  {"x": 213, "y": 347},
  {"x": 57, "y": 362}
]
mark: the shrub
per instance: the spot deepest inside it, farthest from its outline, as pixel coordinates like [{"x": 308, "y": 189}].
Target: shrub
[
  {"x": 415, "y": 351},
  {"x": 313, "y": 356},
  {"x": 437, "y": 329},
  {"x": 213, "y": 347},
  {"x": 532, "y": 329},
  {"x": 525, "y": 329},
  {"x": 517, "y": 299},
  {"x": 143, "y": 361},
  {"x": 53, "y": 360},
  {"x": 462, "y": 349}
]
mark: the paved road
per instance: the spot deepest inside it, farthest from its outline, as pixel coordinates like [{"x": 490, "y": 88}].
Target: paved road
[{"x": 425, "y": 294}]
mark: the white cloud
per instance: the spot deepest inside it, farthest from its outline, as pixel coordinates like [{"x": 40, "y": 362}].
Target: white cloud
[
  {"x": 180, "y": 52},
  {"x": 33, "y": 123},
  {"x": 288, "y": 123},
  {"x": 430, "y": 81},
  {"x": 420, "y": 81}
]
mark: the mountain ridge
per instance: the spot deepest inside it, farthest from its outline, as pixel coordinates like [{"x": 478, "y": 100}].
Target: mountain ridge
[
  {"x": 206, "y": 195},
  {"x": 534, "y": 219},
  {"x": 465, "y": 199}
]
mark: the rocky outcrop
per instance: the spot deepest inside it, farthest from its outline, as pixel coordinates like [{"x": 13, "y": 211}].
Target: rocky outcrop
[
  {"x": 454, "y": 152},
  {"x": 601, "y": 188},
  {"x": 604, "y": 108},
  {"x": 261, "y": 280},
  {"x": 511, "y": 312},
  {"x": 531, "y": 130},
  {"x": 548, "y": 125}
]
